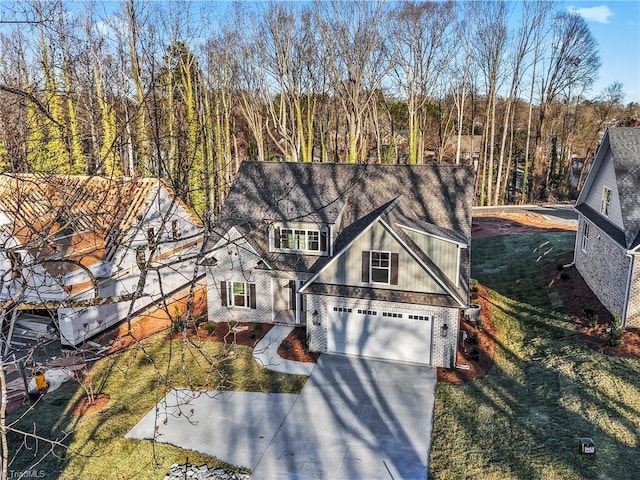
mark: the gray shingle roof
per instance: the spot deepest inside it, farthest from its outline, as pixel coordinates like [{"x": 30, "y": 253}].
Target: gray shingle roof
[
  {"x": 625, "y": 150},
  {"x": 428, "y": 197}
]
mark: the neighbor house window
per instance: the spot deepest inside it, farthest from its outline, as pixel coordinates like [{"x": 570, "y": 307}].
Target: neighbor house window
[
  {"x": 300, "y": 239},
  {"x": 151, "y": 237},
  {"x": 238, "y": 294},
  {"x": 585, "y": 237},
  {"x": 606, "y": 200},
  {"x": 175, "y": 230},
  {"x": 380, "y": 267}
]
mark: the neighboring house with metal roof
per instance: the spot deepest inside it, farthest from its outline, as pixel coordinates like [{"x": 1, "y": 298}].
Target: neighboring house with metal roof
[
  {"x": 608, "y": 238},
  {"x": 373, "y": 259},
  {"x": 75, "y": 246}
]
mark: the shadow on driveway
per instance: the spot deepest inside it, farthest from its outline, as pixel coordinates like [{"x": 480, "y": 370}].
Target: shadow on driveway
[{"x": 356, "y": 418}]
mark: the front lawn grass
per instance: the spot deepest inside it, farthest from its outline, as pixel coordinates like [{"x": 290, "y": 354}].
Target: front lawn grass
[
  {"x": 546, "y": 388},
  {"x": 135, "y": 380}
]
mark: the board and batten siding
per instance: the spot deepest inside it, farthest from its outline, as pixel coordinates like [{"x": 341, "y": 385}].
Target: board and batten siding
[
  {"x": 347, "y": 269},
  {"x": 444, "y": 254},
  {"x": 605, "y": 177}
]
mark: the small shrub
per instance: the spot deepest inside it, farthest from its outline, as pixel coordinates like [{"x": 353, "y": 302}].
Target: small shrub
[
  {"x": 559, "y": 267},
  {"x": 177, "y": 325},
  {"x": 592, "y": 320},
  {"x": 615, "y": 337},
  {"x": 472, "y": 340},
  {"x": 210, "y": 327},
  {"x": 588, "y": 312},
  {"x": 478, "y": 322},
  {"x": 232, "y": 324},
  {"x": 200, "y": 319},
  {"x": 564, "y": 276},
  {"x": 474, "y": 353},
  {"x": 256, "y": 326}
]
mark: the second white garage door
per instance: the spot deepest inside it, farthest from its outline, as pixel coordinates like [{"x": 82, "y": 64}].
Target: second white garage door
[{"x": 368, "y": 333}]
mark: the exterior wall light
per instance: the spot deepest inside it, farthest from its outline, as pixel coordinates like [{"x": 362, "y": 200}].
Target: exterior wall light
[{"x": 444, "y": 330}]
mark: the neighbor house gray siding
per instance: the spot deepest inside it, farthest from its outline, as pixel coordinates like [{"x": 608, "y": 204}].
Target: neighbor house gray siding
[
  {"x": 604, "y": 266},
  {"x": 443, "y": 349},
  {"x": 606, "y": 177},
  {"x": 347, "y": 269}
]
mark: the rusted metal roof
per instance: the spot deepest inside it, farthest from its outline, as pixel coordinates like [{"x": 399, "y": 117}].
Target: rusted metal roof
[{"x": 68, "y": 221}]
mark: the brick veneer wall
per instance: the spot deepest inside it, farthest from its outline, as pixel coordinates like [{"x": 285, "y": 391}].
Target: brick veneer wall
[
  {"x": 219, "y": 313},
  {"x": 604, "y": 266},
  {"x": 443, "y": 350}
]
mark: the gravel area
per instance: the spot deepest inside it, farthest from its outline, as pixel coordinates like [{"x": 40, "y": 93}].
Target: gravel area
[{"x": 195, "y": 472}]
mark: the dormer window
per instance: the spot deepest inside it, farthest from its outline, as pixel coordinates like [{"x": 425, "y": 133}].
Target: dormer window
[
  {"x": 606, "y": 201},
  {"x": 300, "y": 239}
]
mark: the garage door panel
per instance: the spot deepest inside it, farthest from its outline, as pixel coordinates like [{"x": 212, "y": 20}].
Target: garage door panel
[{"x": 381, "y": 337}]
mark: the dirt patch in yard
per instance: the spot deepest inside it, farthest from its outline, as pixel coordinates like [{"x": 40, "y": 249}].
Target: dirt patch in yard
[
  {"x": 294, "y": 347},
  {"x": 247, "y": 334},
  {"x": 521, "y": 223},
  {"x": 153, "y": 320},
  {"x": 477, "y": 350},
  {"x": 590, "y": 318},
  {"x": 84, "y": 406}
]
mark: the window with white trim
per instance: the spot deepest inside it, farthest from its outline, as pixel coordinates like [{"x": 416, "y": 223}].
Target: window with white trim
[
  {"x": 380, "y": 267},
  {"x": 300, "y": 239},
  {"x": 585, "y": 237},
  {"x": 605, "y": 205},
  {"x": 238, "y": 294}
]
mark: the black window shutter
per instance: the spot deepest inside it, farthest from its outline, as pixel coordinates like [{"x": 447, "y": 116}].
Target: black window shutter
[
  {"x": 252, "y": 295},
  {"x": 223, "y": 294},
  {"x": 323, "y": 240},
  {"x": 276, "y": 238},
  {"x": 365, "y": 266},
  {"x": 292, "y": 295},
  {"x": 394, "y": 269}
]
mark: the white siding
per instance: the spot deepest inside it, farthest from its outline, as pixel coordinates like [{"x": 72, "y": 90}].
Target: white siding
[{"x": 78, "y": 324}]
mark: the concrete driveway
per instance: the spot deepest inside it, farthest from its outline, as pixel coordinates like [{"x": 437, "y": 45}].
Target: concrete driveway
[{"x": 355, "y": 419}]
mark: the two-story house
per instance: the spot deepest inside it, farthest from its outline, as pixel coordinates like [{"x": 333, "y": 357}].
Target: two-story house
[
  {"x": 90, "y": 251},
  {"x": 373, "y": 259},
  {"x": 608, "y": 237}
]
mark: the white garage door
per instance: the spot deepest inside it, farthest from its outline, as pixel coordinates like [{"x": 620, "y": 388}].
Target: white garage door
[{"x": 389, "y": 335}]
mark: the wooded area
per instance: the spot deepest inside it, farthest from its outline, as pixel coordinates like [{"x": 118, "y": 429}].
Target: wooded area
[{"x": 185, "y": 91}]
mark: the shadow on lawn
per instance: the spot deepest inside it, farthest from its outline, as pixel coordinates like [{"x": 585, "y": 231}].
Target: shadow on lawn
[
  {"x": 545, "y": 390},
  {"x": 531, "y": 416}
]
